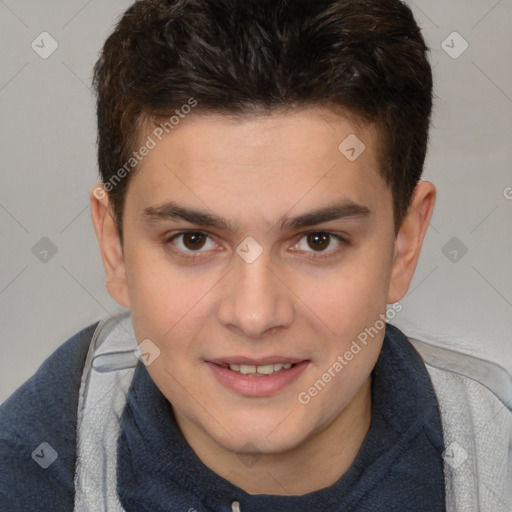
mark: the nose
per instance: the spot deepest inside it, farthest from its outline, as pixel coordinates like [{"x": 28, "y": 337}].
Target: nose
[{"x": 255, "y": 301}]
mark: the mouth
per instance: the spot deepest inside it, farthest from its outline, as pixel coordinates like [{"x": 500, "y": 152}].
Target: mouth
[
  {"x": 257, "y": 378},
  {"x": 258, "y": 370}
]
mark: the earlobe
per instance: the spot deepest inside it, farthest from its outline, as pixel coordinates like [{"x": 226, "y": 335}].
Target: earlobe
[
  {"x": 409, "y": 240},
  {"x": 110, "y": 245}
]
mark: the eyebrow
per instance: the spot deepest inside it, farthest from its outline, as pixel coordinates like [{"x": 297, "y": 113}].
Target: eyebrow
[{"x": 340, "y": 210}]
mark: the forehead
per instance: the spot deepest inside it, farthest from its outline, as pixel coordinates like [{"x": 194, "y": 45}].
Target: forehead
[
  {"x": 307, "y": 134},
  {"x": 277, "y": 160}
]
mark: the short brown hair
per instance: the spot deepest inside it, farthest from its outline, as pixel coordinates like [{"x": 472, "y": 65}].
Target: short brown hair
[{"x": 250, "y": 56}]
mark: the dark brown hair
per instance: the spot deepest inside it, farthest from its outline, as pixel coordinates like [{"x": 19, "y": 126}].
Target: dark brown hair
[{"x": 243, "y": 57}]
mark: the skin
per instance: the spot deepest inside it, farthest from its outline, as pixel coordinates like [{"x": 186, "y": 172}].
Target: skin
[{"x": 288, "y": 302}]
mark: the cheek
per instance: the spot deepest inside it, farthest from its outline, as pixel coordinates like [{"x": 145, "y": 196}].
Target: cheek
[
  {"x": 169, "y": 304},
  {"x": 341, "y": 300},
  {"x": 351, "y": 297},
  {"x": 159, "y": 293}
]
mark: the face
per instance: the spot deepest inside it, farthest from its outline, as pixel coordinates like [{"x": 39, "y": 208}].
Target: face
[{"x": 252, "y": 244}]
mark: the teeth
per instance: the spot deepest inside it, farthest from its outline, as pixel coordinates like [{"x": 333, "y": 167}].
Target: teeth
[
  {"x": 267, "y": 369},
  {"x": 247, "y": 368}
]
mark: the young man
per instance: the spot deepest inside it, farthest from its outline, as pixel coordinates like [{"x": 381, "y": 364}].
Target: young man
[{"x": 260, "y": 216}]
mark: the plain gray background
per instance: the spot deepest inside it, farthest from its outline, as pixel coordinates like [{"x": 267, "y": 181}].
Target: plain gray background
[{"x": 48, "y": 164}]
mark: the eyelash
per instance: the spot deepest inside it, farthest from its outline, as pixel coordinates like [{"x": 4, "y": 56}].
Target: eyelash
[{"x": 326, "y": 254}]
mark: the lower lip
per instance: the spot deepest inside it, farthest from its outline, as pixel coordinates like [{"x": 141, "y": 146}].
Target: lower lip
[{"x": 249, "y": 385}]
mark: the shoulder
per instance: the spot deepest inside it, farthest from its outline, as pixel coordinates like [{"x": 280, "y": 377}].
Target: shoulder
[
  {"x": 37, "y": 429},
  {"x": 454, "y": 372},
  {"x": 475, "y": 401}
]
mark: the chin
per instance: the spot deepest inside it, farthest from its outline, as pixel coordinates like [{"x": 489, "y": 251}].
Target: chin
[{"x": 265, "y": 437}]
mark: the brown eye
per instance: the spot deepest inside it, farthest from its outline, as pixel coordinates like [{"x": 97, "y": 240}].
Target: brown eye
[
  {"x": 319, "y": 241},
  {"x": 194, "y": 241},
  {"x": 324, "y": 243},
  {"x": 190, "y": 242}
]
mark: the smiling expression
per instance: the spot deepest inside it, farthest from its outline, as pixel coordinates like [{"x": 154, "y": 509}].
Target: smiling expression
[{"x": 255, "y": 252}]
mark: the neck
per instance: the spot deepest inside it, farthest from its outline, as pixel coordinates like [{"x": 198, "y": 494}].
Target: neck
[{"x": 315, "y": 464}]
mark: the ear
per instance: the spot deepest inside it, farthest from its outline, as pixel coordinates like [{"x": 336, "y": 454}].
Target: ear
[
  {"x": 409, "y": 240},
  {"x": 110, "y": 245}
]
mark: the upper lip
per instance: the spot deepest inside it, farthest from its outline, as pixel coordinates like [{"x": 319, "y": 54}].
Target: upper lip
[{"x": 260, "y": 361}]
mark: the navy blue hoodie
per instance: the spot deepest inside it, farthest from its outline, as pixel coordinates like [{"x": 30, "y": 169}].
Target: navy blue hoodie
[{"x": 398, "y": 468}]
